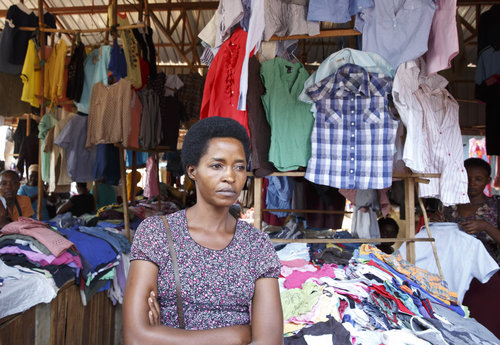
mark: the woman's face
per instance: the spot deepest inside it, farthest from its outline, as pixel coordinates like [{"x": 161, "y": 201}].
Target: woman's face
[
  {"x": 221, "y": 172},
  {"x": 478, "y": 179}
]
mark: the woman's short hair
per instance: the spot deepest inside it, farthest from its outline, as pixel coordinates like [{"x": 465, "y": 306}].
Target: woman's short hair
[
  {"x": 198, "y": 136},
  {"x": 479, "y": 163}
]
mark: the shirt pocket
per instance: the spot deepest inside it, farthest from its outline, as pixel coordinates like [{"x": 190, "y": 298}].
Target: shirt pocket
[
  {"x": 332, "y": 116},
  {"x": 372, "y": 116}
]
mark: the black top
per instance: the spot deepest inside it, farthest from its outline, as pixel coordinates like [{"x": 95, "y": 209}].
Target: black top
[
  {"x": 82, "y": 203},
  {"x": 76, "y": 73}
]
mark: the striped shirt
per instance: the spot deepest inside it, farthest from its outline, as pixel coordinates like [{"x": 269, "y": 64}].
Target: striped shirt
[
  {"x": 433, "y": 138},
  {"x": 354, "y": 132}
]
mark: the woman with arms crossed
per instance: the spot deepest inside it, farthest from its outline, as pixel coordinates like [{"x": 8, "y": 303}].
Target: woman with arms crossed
[{"x": 225, "y": 265}]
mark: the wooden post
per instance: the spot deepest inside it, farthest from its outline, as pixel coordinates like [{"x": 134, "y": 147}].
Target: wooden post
[
  {"x": 42, "y": 109},
  {"x": 141, "y": 11},
  {"x": 123, "y": 175},
  {"x": 157, "y": 161},
  {"x": 410, "y": 218},
  {"x": 146, "y": 11},
  {"x": 114, "y": 11},
  {"x": 96, "y": 191},
  {"x": 257, "y": 202},
  {"x": 131, "y": 195}
]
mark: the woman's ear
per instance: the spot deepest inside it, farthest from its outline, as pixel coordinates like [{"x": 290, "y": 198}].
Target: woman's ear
[{"x": 191, "y": 172}]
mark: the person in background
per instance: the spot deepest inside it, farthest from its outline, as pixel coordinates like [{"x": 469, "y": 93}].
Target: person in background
[
  {"x": 138, "y": 190},
  {"x": 106, "y": 194},
  {"x": 79, "y": 204},
  {"x": 388, "y": 229},
  {"x": 12, "y": 206},
  {"x": 480, "y": 219},
  {"x": 30, "y": 189},
  {"x": 480, "y": 216},
  {"x": 228, "y": 270}
]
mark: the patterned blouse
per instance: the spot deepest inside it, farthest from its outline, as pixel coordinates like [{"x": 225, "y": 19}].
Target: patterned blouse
[
  {"x": 217, "y": 285},
  {"x": 487, "y": 211}
]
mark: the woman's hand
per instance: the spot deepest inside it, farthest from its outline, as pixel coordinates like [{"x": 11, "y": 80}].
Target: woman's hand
[
  {"x": 475, "y": 226},
  {"x": 154, "y": 310}
]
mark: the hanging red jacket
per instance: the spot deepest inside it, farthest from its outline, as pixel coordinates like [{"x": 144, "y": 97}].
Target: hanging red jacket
[{"x": 222, "y": 84}]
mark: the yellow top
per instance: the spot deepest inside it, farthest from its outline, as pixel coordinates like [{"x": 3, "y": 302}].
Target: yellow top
[
  {"x": 54, "y": 72},
  {"x": 31, "y": 75}
]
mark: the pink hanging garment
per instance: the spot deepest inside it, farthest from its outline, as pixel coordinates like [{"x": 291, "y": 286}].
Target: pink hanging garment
[{"x": 151, "y": 189}]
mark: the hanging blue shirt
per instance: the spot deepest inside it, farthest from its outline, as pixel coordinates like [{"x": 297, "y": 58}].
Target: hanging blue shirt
[
  {"x": 279, "y": 194},
  {"x": 354, "y": 132},
  {"x": 80, "y": 161},
  {"x": 334, "y": 11},
  {"x": 398, "y": 33},
  {"x": 96, "y": 70}
]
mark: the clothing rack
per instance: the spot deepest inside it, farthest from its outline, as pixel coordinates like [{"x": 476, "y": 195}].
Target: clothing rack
[
  {"x": 143, "y": 11},
  {"x": 411, "y": 181},
  {"x": 123, "y": 177}
]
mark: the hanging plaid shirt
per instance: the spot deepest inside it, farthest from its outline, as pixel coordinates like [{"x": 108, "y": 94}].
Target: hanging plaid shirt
[{"x": 354, "y": 132}]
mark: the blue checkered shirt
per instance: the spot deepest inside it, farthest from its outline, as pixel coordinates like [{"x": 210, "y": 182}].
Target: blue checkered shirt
[{"x": 354, "y": 132}]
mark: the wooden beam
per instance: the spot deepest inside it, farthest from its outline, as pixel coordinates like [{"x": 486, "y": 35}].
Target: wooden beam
[
  {"x": 164, "y": 7},
  {"x": 322, "y": 34},
  {"x": 171, "y": 29},
  {"x": 162, "y": 28},
  {"x": 467, "y": 25},
  {"x": 192, "y": 37}
]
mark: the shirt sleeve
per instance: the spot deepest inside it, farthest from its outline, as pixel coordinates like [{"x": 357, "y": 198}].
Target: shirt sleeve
[
  {"x": 148, "y": 241},
  {"x": 22, "y": 191},
  {"x": 266, "y": 261}
]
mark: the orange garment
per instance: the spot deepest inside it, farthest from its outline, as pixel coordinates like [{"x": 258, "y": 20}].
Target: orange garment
[
  {"x": 129, "y": 185},
  {"x": 431, "y": 282},
  {"x": 25, "y": 205},
  {"x": 135, "y": 120}
]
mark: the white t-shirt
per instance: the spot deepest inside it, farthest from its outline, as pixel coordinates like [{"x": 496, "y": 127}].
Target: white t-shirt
[{"x": 462, "y": 256}]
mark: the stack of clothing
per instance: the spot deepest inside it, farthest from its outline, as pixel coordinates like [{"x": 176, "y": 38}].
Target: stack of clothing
[
  {"x": 35, "y": 261},
  {"x": 37, "y": 258},
  {"x": 376, "y": 298}
]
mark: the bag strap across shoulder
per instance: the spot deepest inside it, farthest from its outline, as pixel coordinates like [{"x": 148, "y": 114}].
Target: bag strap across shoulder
[{"x": 175, "y": 265}]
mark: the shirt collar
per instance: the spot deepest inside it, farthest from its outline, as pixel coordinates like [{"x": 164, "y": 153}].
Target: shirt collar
[{"x": 351, "y": 78}]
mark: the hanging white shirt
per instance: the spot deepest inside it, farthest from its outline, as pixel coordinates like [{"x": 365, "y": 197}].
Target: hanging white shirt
[
  {"x": 433, "y": 140},
  {"x": 459, "y": 266}
]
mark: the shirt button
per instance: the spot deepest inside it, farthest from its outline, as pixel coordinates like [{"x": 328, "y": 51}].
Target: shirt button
[
  {"x": 352, "y": 158},
  {"x": 352, "y": 123},
  {"x": 351, "y": 171},
  {"x": 352, "y": 111},
  {"x": 352, "y": 135},
  {"x": 352, "y": 147},
  {"x": 352, "y": 99}
]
